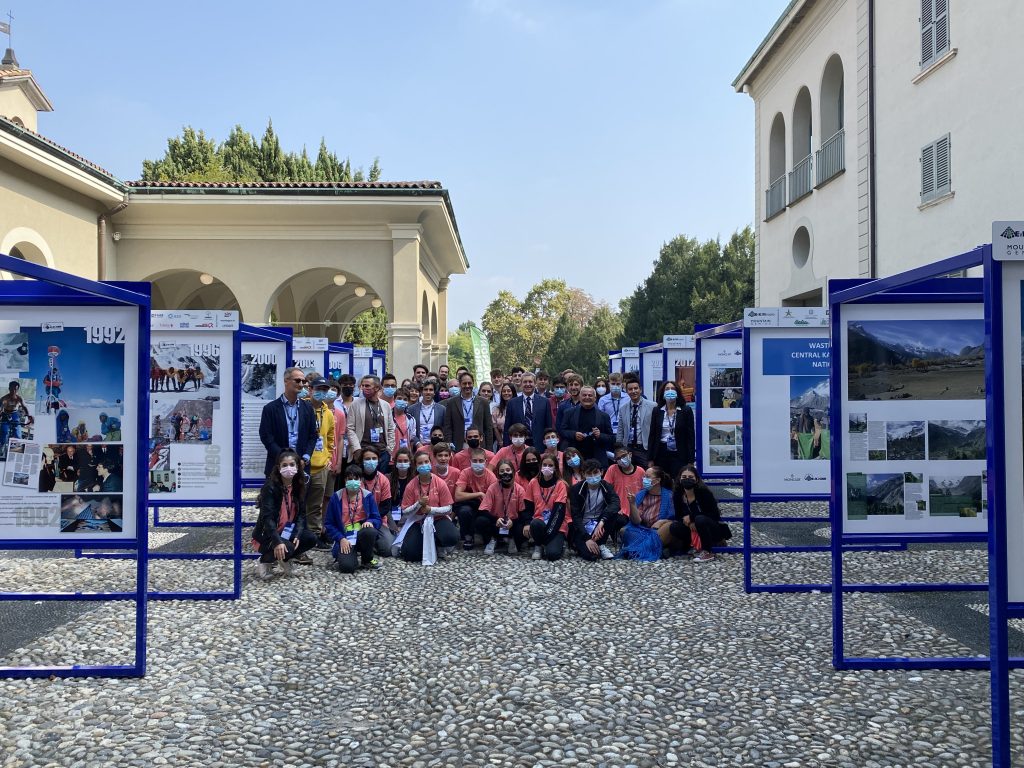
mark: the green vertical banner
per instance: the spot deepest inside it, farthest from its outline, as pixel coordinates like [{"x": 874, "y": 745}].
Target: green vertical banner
[{"x": 481, "y": 352}]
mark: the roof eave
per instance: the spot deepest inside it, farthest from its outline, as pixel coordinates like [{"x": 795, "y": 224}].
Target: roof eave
[
  {"x": 35, "y": 94},
  {"x": 764, "y": 50}
]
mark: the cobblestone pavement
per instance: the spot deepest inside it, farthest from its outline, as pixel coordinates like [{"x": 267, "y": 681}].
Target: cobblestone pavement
[{"x": 500, "y": 661}]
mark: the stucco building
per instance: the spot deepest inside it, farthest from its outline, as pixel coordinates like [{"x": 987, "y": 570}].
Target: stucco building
[
  {"x": 884, "y": 134},
  {"x": 311, "y": 255}
]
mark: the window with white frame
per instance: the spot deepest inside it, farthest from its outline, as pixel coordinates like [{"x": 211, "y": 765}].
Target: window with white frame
[
  {"x": 934, "y": 30},
  {"x": 935, "y": 170}
]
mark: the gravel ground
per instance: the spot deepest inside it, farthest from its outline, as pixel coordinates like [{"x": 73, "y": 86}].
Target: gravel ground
[{"x": 500, "y": 661}]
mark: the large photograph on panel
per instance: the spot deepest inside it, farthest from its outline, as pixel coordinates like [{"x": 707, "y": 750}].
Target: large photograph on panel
[
  {"x": 68, "y": 412},
  {"x": 262, "y": 370},
  {"x": 191, "y": 414},
  {"x": 721, "y": 393},
  {"x": 914, "y": 430},
  {"x": 789, "y": 446}
]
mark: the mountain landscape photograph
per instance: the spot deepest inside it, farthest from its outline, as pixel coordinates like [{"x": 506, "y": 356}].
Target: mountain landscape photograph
[
  {"x": 880, "y": 494},
  {"x": 904, "y": 440},
  {"x": 956, "y": 440},
  {"x": 916, "y": 359},
  {"x": 954, "y": 495}
]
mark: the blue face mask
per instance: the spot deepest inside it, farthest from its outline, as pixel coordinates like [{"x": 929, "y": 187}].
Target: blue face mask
[
  {"x": 401, "y": 405},
  {"x": 320, "y": 396},
  {"x": 647, "y": 483},
  {"x": 353, "y": 485},
  {"x": 559, "y": 391},
  {"x": 453, "y": 391},
  {"x": 573, "y": 461},
  {"x": 625, "y": 461},
  {"x": 390, "y": 391},
  {"x": 370, "y": 465},
  {"x": 402, "y": 465},
  {"x": 670, "y": 394},
  {"x": 593, "y": 480},
  {"x": 423, "y": 469},
  {"x": 304, "y": 392}
]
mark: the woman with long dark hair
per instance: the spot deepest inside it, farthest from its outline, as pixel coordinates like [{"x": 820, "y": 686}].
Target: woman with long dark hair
[
  {"x": 672, "y": 437},
  {"x": 281, "y": 534},
  {"x": 698, "y": 525}
]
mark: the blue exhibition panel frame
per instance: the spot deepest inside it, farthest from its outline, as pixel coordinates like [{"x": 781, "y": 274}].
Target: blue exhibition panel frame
[
  {"x": 614, "y": 361},
  {"x": 50, "y": 287},
  {"x": 702, "y": 333},
  {"x": 259, "y": 333},
  {"x": 339, "y": 348},
  {"x": 651, "y": 354},
  {"x": 926, "y": 284},
  {"x": 378, "y": 362},
  {"x": 1001, "y": 609}
]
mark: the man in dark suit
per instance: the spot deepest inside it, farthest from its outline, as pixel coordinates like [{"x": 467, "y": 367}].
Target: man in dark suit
[
  {"x": 588, "y": 429},
  {"x": 464, "y": 411},
  {"x": 288, "y": 421},
  {"x": 531, "y": 409}
]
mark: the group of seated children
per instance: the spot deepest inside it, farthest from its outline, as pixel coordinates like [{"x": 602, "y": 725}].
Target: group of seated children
[{"x": 521, "y": 498}]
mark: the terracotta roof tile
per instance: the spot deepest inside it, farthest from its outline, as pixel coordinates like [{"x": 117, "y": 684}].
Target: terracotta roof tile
[
  {"x": 286, "y": 184},
  {"x": 6, "y": 73},
  {"x": 16, "y": 129}
]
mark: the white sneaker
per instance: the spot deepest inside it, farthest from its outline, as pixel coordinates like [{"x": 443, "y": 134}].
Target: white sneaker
[
  {"x": 536, "y": 554},
  {"x": 512, "y": 548},
  {"x": 606, "y": 554},
  {"x": 263, "y": 571},
  {"x": 489, "y": 549}
]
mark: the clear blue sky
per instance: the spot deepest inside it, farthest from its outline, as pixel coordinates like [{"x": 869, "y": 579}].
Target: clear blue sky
[{"x": 575, "y": 136}]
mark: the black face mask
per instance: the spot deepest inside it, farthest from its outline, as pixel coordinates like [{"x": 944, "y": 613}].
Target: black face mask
[
  {"x": 688, "y": 483},
  {"x": 473, "y": 442},
  {"x": 436, "y": 440},
  {"x": 506, "y": 479},
  {"x": 347, "y": 391},
  {"x": 531, "y": 470}
]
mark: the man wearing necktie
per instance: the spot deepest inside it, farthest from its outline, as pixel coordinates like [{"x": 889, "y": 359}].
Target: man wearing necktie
[
  {"x": 530, "y": 409},
  {"x": 634, "y": 432}
]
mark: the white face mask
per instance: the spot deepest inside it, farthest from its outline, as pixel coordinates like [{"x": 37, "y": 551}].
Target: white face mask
[
  {"x": 547, "y": 471},
  {"x": 518, "y": 441},
  {"x": 601, "y": 391}
]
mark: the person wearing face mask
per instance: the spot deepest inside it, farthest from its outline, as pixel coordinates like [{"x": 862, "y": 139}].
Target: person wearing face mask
[
  {"x": 612, "y": 402},
  {"x": 600, "y": 387},
  {"x": 436, "y": 439},
  {"x": 467, "y": 410},
  {"x": 529, "y": 409},
  {"x": 281, "y": 533},
  {"x": 596, "y": 514},
  {"x": 427, "y": 508},
  {"x": 568, "y": 406},
  {"x": 624, "y": 476},
  {"x": 425, "y": 414},
  {"x": 650, "y": 509},
  {"x": 514, "y": 450},
  {"x": 288, "y": 421},
  {"x": 550, "y": 446},
  {"x": 469, "y": 492},
  {"x": 547, "y": 508},
  {"x": 320, "y": 459},
  {"x": 698, "y": 525},
  {"x": 529, "y": 466},
  {"x": 587, "y": 429},
  {"x": 572, "y": 467},
  {"x": 402, "y": 473},
  {"x": 380, "y": 486},
  {"x": 371, "y": 422},
  {"x": 336, "y": 466},
  {"x": 388, "y": 389},
  {"x": 352, "y": 522},
  {"x": 672, "y": 431},
  {"x": 463, "y": 458},
  {"x": 403, "y": 426},
  {"x": 501, "y": 512}
]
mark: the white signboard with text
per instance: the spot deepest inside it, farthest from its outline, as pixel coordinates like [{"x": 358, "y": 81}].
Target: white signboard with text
[
  {"x": 262, "y": 371},
  {"x": 721, "y": 394}
]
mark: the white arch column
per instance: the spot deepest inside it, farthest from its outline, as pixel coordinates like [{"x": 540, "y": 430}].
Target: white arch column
[
  {"x": 442, "y": 324},
  {"x": 404, "y": 331}
]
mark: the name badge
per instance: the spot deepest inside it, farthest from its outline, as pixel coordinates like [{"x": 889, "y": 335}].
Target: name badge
[
  {"x": 545, "y": 515},
  {"x": 319, "y": 444},
  {"x": 289, "y": 529},
  {"x": 589, "y": 527},
  {"x": 671, "y": 443},
  {"x": 396, "y": 515},
  {"x": 403, "y": 443},
  {"x": 503, "y": 531},
  {"x": 374, "y": 434}
]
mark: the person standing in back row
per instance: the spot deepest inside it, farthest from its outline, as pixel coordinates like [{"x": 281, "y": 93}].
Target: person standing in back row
[
  {"x": 288, "y": 422},
  {"x": 466, "y": 410},
  {"x": 635, "y": 423},
  {"x": 531, "y": 410},
  {"x": 371, "y": 424}
]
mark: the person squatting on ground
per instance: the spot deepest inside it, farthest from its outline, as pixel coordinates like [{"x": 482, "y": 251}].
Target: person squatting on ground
[
  {"x": 352, "y": 523},
  {"x": 698, "y": 525},
  {"x": 596, "y": 514},
  {"x": 427, "y": 526},
  {"x": 378, "y": 484},
  {"x": 501, "y": 512},
  {"x": 281, "y": 533},
  {"x": 650, "y": 509},
  {"x": 547, "y": 505},
  {"x": 470, "y": 490}
]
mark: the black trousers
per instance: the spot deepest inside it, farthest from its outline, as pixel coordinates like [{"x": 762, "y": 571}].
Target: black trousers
[
  {"x": 366, "y": 538},
  {"x": 465, "y": 513},
  {"x": 445, "y": 535},
  {"x": 670, "y": 461},
  {"x": 640, "y": 458},
  {"x": 580, "y": 537},
  {"x": 551, "y": 546},
  {"x": 711, "y": 531},
  {"x": 307, "y": 540}
]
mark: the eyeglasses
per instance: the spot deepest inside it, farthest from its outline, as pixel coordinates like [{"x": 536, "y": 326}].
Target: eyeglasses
[{"x": 298, "y": 381}]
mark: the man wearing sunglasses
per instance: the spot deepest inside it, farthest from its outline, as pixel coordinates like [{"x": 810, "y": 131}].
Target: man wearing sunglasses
[{"x": 289, "y": 422}]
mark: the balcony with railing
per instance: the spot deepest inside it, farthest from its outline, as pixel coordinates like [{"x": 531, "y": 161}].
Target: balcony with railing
[
  {"x": 775, "y": 198},
  {"x": 831, "y": 158},
  {"x": 801, "y": 179}
]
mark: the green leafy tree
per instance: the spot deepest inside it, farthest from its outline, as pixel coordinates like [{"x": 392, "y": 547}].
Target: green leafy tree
[
  {"x": 369, "y": 329},
  {"x": 692, "y": 282},
  {"x": 460, "y": 351},
  {"x": 564, "y": 347},
  {"x": 241, "y": 158},
  {"x": 585, "y": 350},
  {"x": 520, "y": 331}
]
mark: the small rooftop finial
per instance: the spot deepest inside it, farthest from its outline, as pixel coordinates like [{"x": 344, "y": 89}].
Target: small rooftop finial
[{"x": 9, "y": 60}]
